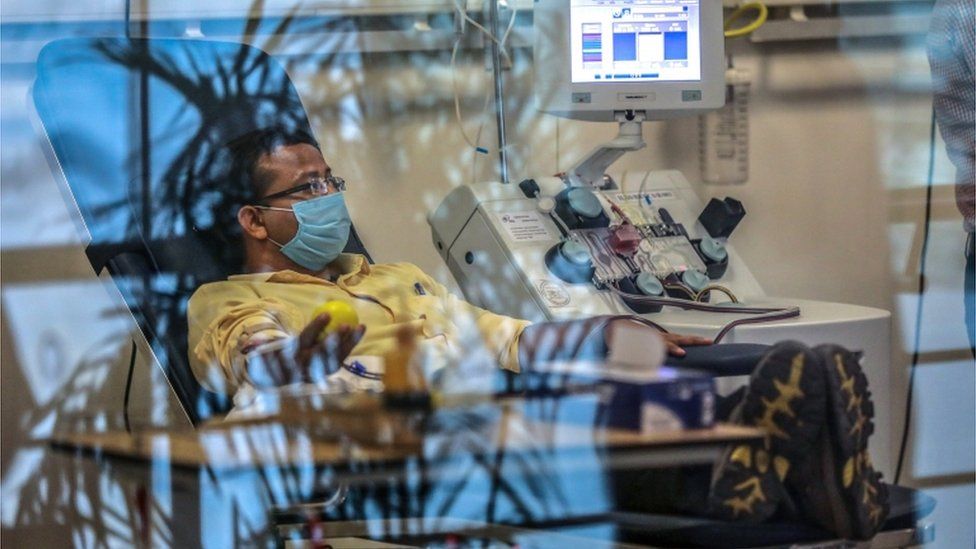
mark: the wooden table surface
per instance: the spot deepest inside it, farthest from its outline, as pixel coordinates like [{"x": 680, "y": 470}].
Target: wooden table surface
[{"x": 290, "y": 440}]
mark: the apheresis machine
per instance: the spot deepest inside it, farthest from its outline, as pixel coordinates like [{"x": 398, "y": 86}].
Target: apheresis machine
[{"x": 584, "y": 244}]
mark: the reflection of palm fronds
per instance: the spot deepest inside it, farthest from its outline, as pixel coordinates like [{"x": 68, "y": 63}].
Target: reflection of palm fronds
[
  {"x": 61, "y": 490},
  {"x": 70, "y": 494},
  {"x": 223, "y": 92},
  {"x": 231, "y": 95},
  {"x": 437, "y": 481},
  {"x": 82, "y": 394},
  {"x": 463, "y": 434}
]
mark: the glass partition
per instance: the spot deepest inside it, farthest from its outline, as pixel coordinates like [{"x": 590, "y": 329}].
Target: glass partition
[{"x": 188, "y": 187}]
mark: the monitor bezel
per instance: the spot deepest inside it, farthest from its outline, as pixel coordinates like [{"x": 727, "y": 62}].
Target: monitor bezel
[{"x": 557, "y": 94}]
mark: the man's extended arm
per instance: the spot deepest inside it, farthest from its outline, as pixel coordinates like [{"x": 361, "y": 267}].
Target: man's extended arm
[
  {"x": 588, "y": 338},
  {"x": 519, "y": 344}
]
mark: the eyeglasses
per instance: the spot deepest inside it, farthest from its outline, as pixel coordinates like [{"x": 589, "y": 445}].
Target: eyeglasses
[{"x": 317, "y": 187}]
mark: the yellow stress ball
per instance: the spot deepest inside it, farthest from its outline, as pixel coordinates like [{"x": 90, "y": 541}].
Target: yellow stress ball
[{"x": 340, "y": 314}]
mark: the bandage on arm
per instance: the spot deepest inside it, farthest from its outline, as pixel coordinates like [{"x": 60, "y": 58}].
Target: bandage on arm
[
  {"x": 260, "y": 362},
  {"x": 256, "y": 341}
]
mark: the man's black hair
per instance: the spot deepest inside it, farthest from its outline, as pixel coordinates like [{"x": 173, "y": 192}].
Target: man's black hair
[{"x": 248, "y": 149}]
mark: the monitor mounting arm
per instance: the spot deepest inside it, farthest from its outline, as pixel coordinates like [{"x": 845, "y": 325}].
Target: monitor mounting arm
[{"x": 589, "y": 171}]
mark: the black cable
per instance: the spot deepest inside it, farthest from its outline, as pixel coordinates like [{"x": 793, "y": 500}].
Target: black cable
[
  {"x": 128, "y": 386},
  {"x": 763, "y": 314},
  {"x": 920, "y": 301},
  {"x": 692, "y": 305}
]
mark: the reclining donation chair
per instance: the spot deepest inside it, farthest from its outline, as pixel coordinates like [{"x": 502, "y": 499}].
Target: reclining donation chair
[{"x": 138, "y": 129}]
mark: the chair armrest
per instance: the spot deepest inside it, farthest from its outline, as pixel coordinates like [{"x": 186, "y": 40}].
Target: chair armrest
[{"x": 729, "y": 359}]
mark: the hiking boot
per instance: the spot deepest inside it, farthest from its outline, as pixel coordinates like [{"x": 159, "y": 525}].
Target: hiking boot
[
  {"x": 839, "y": 489},
  {"x": 786, "y": 400}
]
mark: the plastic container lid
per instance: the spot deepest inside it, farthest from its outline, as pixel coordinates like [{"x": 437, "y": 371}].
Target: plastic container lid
[
  {"x": 713, "y": 249},
  {"x": 648, "y": 284},
  {"x": 585, "y": 203},
  {"x": 546, "y": 204}
]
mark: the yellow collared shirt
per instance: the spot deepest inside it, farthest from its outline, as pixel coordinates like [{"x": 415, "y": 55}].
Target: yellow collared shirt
[{"x": 233, "y": 315}]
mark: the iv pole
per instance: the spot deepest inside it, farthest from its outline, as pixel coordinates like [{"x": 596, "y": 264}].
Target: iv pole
[
  {"x": 496, "y": 70},
  {"x": 590, "y": 169}
]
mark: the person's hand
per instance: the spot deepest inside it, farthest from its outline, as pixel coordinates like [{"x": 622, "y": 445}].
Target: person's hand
[
  {"x": 677, "y": 342},
  {"x": 328, "y": 352},
  {"x": 308, "y": 358}
]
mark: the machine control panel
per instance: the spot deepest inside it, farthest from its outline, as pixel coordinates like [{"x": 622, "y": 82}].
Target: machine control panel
[
  {"x": 624, "y": 240},
  {"x": 569, "y": 250}
]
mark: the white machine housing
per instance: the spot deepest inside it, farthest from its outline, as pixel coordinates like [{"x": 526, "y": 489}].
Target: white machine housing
[{"x": 495, "y": 239}]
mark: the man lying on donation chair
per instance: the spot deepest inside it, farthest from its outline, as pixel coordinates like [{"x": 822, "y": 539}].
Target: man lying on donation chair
[{"x": 257, "y": 330}]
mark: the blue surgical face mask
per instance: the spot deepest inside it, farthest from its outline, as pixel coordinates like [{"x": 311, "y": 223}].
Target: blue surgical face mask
[{"x": 323, "y": 230}]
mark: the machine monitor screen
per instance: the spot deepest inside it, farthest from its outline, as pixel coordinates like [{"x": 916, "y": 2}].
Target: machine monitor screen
[
  {"x": 635, "y": 40},
  {"x": 595, "y": 59}
]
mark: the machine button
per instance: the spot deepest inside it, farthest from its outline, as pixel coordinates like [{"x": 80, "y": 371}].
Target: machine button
[
  {"x": 696, "y": 280},
  {"x": 713, "y": 249},
  {"x": 570, "y": 262},
  {"x": 721, "y": 217},
  {"x": 649, "y": 284},
  {"x": 585, "y": 203},
  {"x": 529, "y": 188},
  {"x": 665, "y": 216}
]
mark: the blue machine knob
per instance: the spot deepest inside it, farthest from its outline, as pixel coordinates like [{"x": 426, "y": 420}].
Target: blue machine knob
[
  {"x": 575, "y": 253},
  {"x": 585, "y": 203},
  {"x": 713, "y": 249},
  {"x": 696, "y": 280},
  {"x": 648, "y": 284},
  {"x": 570, "y": 262}
]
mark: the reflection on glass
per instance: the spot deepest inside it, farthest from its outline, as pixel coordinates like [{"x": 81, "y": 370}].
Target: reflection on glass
[{"x": 119, "y": 438}]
